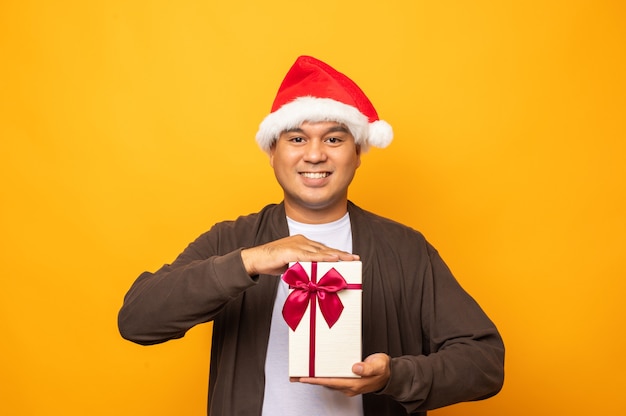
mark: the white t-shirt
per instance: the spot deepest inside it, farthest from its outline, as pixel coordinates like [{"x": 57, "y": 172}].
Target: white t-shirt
[{"x": 282, "y": 397}]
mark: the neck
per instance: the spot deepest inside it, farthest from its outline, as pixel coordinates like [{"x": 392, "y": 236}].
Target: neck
[{"x": 315, "y": 216}]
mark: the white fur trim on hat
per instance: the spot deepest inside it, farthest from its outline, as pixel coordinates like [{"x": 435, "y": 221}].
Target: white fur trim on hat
[{"x": 312, "y": 109}]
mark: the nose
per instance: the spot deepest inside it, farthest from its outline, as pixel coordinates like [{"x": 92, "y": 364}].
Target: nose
[{"x": 314, "y": 152}]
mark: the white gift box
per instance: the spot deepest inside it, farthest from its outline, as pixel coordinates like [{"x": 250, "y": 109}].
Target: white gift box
[{"x": 319, "y": 346}]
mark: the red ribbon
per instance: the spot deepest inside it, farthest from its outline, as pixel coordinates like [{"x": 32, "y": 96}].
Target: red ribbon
[{"x": 305, "y": 291}]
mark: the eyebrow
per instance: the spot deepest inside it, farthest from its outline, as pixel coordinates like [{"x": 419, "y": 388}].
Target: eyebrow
[{"x": 340, "y": 128}]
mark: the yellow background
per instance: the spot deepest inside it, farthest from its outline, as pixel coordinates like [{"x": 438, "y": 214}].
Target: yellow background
[{"x": 127, "y": 129}]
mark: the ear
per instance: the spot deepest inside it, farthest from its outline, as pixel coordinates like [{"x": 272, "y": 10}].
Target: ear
[
  {"x": 358, "y": 156},
  {"x": 271, "y": 153}
]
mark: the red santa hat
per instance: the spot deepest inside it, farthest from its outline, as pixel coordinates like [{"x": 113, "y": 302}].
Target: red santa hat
[{"x": 313, "y": 91}]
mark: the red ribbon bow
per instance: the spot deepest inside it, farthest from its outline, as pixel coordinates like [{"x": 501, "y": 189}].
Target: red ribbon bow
[{"x": 306, "y": 291}]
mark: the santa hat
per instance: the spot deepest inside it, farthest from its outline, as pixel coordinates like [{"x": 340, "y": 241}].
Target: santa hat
[{"x": 313, "y": 91}]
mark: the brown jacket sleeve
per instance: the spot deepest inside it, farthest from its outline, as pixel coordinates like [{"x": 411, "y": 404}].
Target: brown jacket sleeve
[
  {"x": 164, "y": 305},
  {"x": 443, "y": 347},
  {"x": 463, "y": 353}
]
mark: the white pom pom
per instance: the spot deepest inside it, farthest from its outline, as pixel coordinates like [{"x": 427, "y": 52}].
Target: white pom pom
[{"x": 380, "y": 134}]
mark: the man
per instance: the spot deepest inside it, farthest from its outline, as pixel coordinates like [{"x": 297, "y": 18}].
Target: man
[{"x": 426, "y": 343}]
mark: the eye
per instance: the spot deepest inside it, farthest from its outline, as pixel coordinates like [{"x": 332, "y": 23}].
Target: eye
[
  {"x": 296, "y": 139},
  {"x": 334, "y": 140}
]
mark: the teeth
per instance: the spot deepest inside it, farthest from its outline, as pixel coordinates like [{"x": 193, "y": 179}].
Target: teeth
[{"x": 315, "y": 175}]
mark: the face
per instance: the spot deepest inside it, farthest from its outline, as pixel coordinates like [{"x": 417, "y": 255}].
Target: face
[{"x": 314, "y": 164}]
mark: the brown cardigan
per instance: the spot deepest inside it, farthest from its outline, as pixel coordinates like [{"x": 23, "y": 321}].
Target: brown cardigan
[{"x": 444, "y": 348}]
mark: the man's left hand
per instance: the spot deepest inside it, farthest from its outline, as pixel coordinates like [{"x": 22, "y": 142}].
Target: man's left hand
[{"x": 374, "y": 372}]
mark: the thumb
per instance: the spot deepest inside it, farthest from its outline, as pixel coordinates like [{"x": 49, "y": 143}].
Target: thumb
[
  {"x": 359, "y": 369},
  {"x": 373, "y": 365}
]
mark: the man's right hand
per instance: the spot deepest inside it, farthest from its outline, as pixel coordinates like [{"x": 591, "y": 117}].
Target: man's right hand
[{"x": 274, "y": 257}]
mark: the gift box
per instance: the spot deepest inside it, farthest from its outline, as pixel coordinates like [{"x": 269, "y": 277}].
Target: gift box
[{"x": 323, "y": 311}]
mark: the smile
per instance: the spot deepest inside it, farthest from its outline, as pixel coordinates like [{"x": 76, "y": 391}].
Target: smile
[{"x": 315, "y": 175}]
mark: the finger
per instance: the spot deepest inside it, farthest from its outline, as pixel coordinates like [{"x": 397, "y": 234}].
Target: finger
[
  {"x": 316, "y": 246},
  {"x": 326, "y": 256},
  {"x": 367, "y": 369},
  {"x": 338, "y": 255},
  {"x": 348, "y": 386},
  {"x": 375, "y": 364},
  {"x": 337, "y": 383},
  {"x": 359, "y": 369}
]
